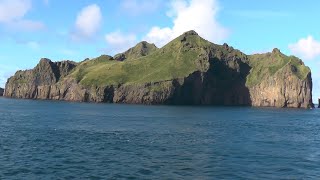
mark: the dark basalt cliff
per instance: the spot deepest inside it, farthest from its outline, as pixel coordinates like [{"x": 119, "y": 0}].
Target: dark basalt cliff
[
  {"x": 37, "y": 83},
  {"x": 189, "y": 71},
  {"x": 1, "y": 91}
]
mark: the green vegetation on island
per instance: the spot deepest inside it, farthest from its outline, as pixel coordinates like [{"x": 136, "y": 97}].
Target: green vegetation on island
[
  {"x": 188, "y": 70},
  {"x": 145, "y": 63}
]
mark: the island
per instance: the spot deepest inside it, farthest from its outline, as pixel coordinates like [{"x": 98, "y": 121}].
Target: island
[
  {"x": 189, "y": 70},
  {"x": 1, "y": 91}
]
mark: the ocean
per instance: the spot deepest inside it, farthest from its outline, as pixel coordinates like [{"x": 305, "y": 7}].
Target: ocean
[{"x": 65, "y": 140}]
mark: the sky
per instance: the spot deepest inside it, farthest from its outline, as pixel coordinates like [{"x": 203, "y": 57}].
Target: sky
[{"x": 80, "y": 29}]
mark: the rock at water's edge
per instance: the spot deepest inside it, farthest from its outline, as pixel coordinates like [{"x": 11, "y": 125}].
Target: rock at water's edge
[{"x": 1, "y": 91}]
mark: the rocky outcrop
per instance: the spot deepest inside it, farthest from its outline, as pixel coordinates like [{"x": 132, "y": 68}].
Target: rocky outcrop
[
  {"x": 37, "y": 83},
  {"x": 141, "y": 49},
  {"x": 283, "y": 90},
  {"x": 223, "y": 76}
]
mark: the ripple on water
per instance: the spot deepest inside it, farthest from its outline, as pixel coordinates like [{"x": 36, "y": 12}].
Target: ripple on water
[{"x": 50, "y": 140}]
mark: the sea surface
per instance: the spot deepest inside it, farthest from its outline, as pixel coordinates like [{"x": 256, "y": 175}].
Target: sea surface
[{"x": 63, "y": 140}]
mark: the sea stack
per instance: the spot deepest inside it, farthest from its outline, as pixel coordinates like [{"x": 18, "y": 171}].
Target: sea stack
[{"x": 318, "y": 102}]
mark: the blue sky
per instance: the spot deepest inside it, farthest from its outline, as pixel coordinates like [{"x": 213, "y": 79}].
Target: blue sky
[{"x": 77, "y": 29}]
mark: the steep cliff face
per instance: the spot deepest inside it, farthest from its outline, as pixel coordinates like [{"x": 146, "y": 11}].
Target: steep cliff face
[
  {"x": 283, "y": 90},
  {"x": 37, "y": 83},
  {"x": 189, "y": 70},
  {"x": 281, "y": 81}
]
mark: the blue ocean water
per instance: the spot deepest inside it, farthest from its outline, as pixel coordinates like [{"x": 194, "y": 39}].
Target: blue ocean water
[{"x": 63, "y": 140}]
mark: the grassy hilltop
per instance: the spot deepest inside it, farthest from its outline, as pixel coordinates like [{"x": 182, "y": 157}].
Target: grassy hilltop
[{"x": 146, "y": 63}]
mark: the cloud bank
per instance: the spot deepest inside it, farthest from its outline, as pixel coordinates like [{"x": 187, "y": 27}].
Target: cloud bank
[
  {"x": 88, "y": 23},
  {"x": 307, "y": 48},
  {"x": 12, "y": 15},
  {"x": 198, "y": 15}
]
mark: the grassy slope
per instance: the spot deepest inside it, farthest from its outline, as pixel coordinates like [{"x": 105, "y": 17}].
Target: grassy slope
[
  {"x": 141, "y": 49},
  {"x": 175, "y": 60},
  {"x": 264, "y": 65},
  {"x": 172, "y": 61}
]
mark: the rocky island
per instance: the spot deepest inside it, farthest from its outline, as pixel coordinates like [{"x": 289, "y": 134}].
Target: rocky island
[{"x": 187, "y": 71}]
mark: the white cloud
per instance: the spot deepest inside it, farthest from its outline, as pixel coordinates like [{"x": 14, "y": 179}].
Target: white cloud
[
  {"x": 88, "y": 22},
  {"x": 12, "y": 13},
  {"x": 138, "y": 7},
  {"x": 160, "y": 36},
  {"x": 306, "y": 48},
  {"x": 119, "y": 42},
  {"x": 198, "y": 15},
  {"x": 12, "y": 10}
]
